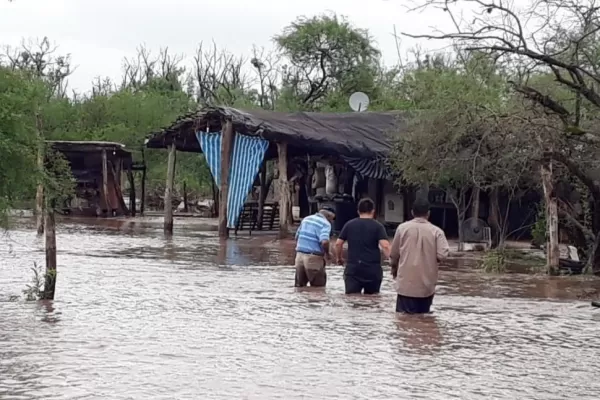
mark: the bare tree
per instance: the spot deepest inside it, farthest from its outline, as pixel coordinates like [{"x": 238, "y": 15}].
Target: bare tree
[
  {"x": 146, "y": 69},
  {"x": 266, "y": 66},
  {"x": 556, "y": 38},
  {"x": 218, "y": 77},
  {"x": 39, "y": 58}
]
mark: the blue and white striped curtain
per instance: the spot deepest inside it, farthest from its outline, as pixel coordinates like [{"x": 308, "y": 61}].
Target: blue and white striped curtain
[
  {"x": 248, "y": 154},
  {"x": 371, "y": 168}
]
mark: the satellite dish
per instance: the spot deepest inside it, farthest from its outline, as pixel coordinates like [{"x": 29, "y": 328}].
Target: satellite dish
[{"x": 359, "y": 101}]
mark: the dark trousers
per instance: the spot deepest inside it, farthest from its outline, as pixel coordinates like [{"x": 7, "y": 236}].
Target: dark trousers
[
  {"x": 413, "y": 305},
  {"x": 357, "y": 280}
]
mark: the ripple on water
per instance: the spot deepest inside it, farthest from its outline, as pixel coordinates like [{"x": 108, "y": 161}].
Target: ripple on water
[{"x": 139, "y": 316}]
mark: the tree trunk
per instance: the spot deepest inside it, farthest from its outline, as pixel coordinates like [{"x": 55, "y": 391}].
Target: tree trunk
[
  {"x": 494, "y": 218},
  {"x": 50, "y": 236},
  {"x": 459, "y": 204},
  {"x": 168, "y": 222},
  {"x": 461, "y": 239},
  {"x": 594, "y": 263},
  {"x": 284, "y": 192},
  {"x": 226, "y": 152},
  {"x": 39, "y": 209},
  {"x": 552, "y": 249},
  {"x": 475, "y": 207},
  {"x": 143, "y": 194},
  {"x": 39, "y": 195}
]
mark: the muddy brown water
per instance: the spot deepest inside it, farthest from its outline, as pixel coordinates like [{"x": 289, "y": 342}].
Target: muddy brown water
[{"x": 138, "y": 316}]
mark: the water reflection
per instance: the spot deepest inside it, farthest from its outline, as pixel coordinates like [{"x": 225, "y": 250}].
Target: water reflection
[
  {"x": 221, "y": 320},
  {"x": 420, "y": 333},
  {"x": 49, "y": 315}
]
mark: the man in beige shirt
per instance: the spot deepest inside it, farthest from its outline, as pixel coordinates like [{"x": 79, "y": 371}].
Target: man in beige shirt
[{"x": 417, "y": 249}]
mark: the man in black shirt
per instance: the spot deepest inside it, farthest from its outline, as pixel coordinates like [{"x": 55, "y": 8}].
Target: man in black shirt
[{"x": 364, "y": 236}]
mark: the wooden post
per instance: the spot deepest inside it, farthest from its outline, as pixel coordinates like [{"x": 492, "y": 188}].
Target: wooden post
[
  {"x": 185, "y": 198},
  {"x": 41, "y": 158},
  {"x": 168, "y": 223},
  {"x": 50, "y": 239},
  {"x": 284, "y": 192},
  {"x": 105, "y": 181},
  {"x": 143, "y": 194},
  {"x": 262, "y": 196},
  {"x": 39, "y": 195},
  {"x": 132, "y": 199},
  {"x": 215, "y": 197},
  {"x": 552, "y": 249},
  {"x": 119, "y": 176},
  {"x": 226, "y": 152}
]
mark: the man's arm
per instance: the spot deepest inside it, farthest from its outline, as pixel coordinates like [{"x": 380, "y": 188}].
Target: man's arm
[
  {"x": 339, "y": 245},
  {"x": 384, "y": 243},
  {"x": 443, "y": 250},
  {"x": 395, "y": 253},
  {"x": 326, "y": 253},
  {"x": 324, "y": 236},
  {"x": 385, "y": 247},
  {"x": 339, "y": 249}
]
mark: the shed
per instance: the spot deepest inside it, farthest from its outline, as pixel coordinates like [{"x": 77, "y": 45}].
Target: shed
[
  {"x": 237, "y": 142},
  {"x": 97, "y": 168}
]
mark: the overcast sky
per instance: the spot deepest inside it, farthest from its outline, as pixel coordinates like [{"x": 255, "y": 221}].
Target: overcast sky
[{"x": 100, "y": 33}]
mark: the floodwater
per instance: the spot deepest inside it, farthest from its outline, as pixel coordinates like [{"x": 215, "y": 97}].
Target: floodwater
[{"x": 138, "y": 316}]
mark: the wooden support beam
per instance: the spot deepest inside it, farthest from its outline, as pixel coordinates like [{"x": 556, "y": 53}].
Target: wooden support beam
[
  {"x": 262, "y": 196},
  {"x": 105, "y": 181},
  {"x": 143, "y": 194},
  {"x": 226, "y": 152},
  {"x": 132, "y": 199},
  {"x": 284, "y": 191},
  {"x": 50, "y": 244},
  {"x": 168, "y": 222},
  {"x": 119, "y": 175}
]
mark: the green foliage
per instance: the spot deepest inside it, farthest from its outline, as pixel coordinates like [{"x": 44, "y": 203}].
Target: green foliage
[
  {"x": 499, "y": 261},
  {"x": 451, "y": 102},
  {"x": 19, "y": 99},
  {"x": 326, "y": 54},
  {"x": 58, "y": 181},
  {"x": 34, "y": 291},
  {"x": 493, "y": 262},
  {"x": 538, "y": 232}
]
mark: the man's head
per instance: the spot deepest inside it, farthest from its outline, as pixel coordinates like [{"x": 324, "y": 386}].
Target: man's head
[
  {"x": 366, "y": 208},
  {"x": 420, "y": 208},
  {"x": 328, "y": 212}
]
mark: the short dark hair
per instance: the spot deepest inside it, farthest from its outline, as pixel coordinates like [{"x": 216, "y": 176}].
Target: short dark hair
[
  {"x": 420, "y": 207},
  {"x": 328, "y": 209},
  {"x": 366, "y": 206}
]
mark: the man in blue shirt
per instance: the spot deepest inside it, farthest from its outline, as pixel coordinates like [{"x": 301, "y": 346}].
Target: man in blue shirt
[{"x": 312, "y": 248}]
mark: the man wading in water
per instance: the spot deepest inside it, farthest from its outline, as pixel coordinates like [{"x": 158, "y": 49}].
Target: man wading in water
[
  {"x": 312, "y": 248},
  {"x": 364, "y": 236},
  {"x": 417, "y": 249}
]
